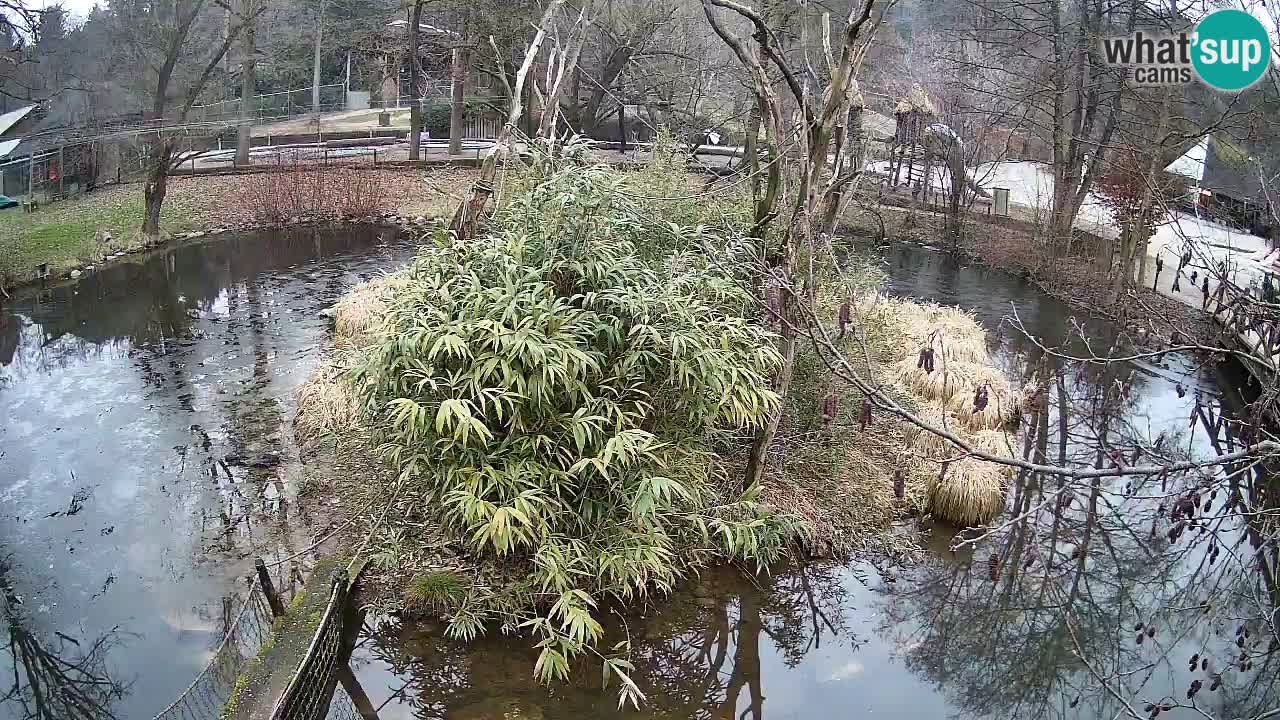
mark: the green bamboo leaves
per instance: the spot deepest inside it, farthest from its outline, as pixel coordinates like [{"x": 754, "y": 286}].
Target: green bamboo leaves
[{"x": 552, "y": 394}]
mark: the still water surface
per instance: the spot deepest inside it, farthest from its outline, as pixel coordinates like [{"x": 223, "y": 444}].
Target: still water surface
[{"x": 145, "y": 458}]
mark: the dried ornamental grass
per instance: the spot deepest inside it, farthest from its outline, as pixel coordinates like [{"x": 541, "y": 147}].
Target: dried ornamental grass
[
  {"x": 1003, "y": 400},
  {"x": 363, "y": 310},
  {"x": 971, "y": 491},
  {"x": 326, "y": 406},
  {"x": 938, "y": 386}
]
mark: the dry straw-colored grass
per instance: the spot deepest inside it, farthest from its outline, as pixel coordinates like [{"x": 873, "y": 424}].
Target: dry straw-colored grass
[
  {"x": 363, "y": 311},
  {"x": 972, "y": 490},
  {"x": 954, "y": 334},
  {"x": 326, "y": 406}
]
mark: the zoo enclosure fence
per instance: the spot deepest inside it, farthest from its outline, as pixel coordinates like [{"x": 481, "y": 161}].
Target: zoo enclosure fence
[{"x": 313, "y": 692}]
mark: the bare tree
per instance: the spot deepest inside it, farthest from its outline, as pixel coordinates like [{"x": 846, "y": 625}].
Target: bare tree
[
  {"x": 171, "y": 43},
  {"x": 816, "y": 190}
]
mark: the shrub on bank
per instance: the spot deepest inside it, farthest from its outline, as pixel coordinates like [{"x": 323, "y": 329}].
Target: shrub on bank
[
  {"x": 554, "y": 399},
  {"x": 311, "y": 191}
]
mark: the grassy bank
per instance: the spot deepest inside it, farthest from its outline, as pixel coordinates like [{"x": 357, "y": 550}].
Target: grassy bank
[
  {"x": 86, "y": 230},
  {"x": 71, "y": 233}
]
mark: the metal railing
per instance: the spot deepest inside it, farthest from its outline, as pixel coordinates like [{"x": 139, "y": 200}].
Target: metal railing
[
  {"x": 207, "y": 695},
  {"x": 287, "y": 103},
  {"x": 310, "y": 691}
]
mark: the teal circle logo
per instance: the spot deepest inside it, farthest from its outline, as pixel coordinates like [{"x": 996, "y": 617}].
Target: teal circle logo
[{"x": 1231, "y": 50}]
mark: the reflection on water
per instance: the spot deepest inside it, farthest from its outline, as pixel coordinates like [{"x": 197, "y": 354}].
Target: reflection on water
[
  {"x": 1038, "y": 621},
  {"x": 145, "y": 459}
]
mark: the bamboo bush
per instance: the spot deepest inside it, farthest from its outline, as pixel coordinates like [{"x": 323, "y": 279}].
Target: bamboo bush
[{"x": 554, "y": 397}]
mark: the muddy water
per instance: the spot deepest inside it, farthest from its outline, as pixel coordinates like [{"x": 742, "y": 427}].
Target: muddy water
[
  {"x": 1048, "y": 632},
  {"x": 144, "y": 459}
]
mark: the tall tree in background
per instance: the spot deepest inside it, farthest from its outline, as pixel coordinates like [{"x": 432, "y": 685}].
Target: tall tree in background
[
  {"x": 315, "y": 71},
  {"x": 248, "y": 81},
  {"x": 459, "y": 67},
  {"x": 179, "y": 47},
  {"x": 415, "y": 69}
]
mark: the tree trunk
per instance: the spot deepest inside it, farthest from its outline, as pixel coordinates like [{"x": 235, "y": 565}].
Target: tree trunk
[
  {"x": 855, "y": 145},
  {"x": 751, "y": 150},
  {"x": 622, "y": 127},
  {"x": 315, "y": 65},
  {"x": 458, "y": 95},
  {"x": 415, "y": 105},
  {"x": 248, "y": 86},
  {"x": 155, "y": 187}
]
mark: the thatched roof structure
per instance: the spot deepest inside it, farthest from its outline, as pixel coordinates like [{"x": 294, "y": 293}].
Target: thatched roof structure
[{"x": 917, "y": 101}]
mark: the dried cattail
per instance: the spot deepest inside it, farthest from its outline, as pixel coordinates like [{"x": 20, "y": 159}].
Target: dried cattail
[
  {"x": 845, "y": 312},
  {"x": 993, "y": 567},
  {"x": 925, "y": 361},
  {"x": 865, "y": 415},
  {"x": 980, "y": 399},
  {"x": 899, "y": 484}
]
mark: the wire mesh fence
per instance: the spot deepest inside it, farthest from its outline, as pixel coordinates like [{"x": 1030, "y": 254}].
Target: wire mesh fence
[
  {"x": 248, "y": 630},
  {"x": 274, "y": 105},
  {"x": 311, "y": 691}
]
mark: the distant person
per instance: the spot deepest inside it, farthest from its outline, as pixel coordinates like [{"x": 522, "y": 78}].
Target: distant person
[
  {"x": 1204, "y": 290},
  {"x": 1159, "y": 267}
]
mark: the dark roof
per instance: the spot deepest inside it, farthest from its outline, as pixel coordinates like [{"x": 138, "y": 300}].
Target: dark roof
[{"x": 1227, "y": 173}]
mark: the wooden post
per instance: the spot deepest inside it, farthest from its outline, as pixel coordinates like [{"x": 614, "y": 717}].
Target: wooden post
[
  {"x": 268, "y": 588},
  {"x": 622, "y": 126},
  {"x": 61, "y": 170},
  {"x": 31, "y": 177}
]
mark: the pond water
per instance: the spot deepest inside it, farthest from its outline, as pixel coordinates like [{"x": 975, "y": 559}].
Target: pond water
[
  {"x": 144, "y": 459},
  {"x": 1048, "y": 632}
]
